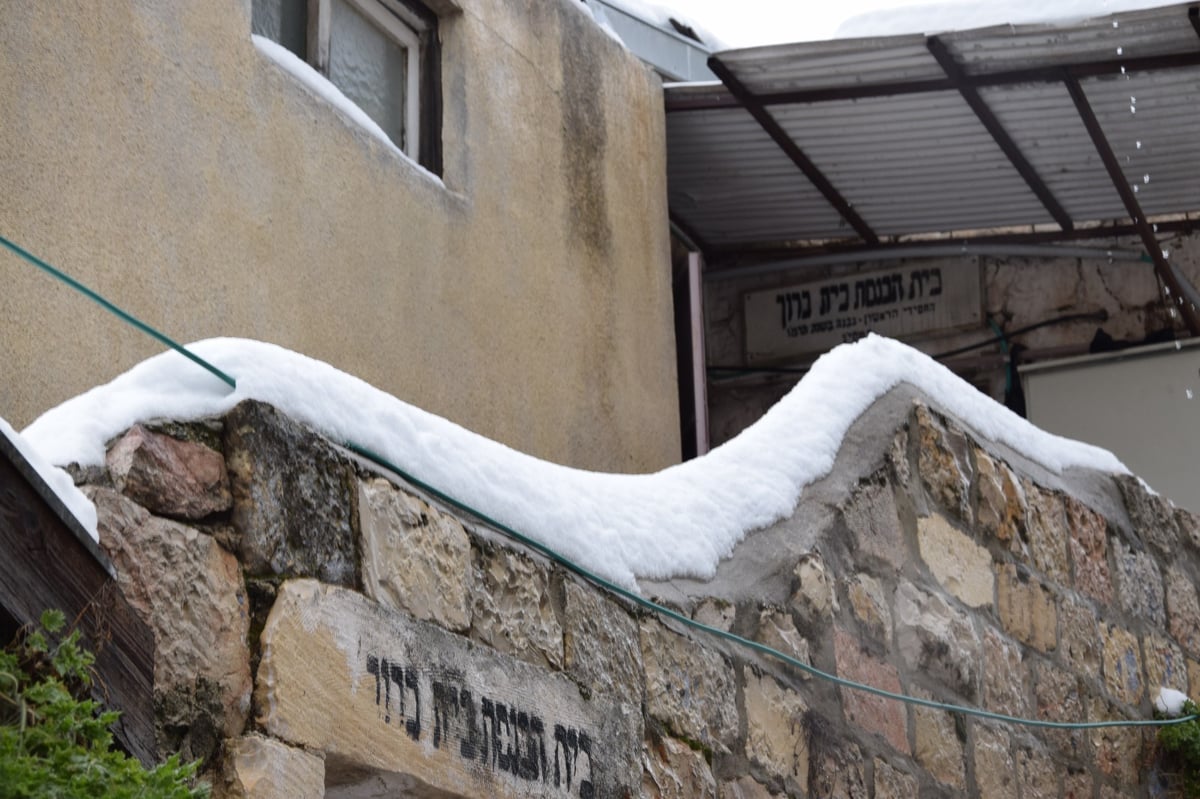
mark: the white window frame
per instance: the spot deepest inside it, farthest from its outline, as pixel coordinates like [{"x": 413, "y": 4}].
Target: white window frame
[{"x": 397, "y": 22}]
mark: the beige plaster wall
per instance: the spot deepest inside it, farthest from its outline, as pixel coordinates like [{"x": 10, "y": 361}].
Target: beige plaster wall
[{"x": 148, "y": 149}]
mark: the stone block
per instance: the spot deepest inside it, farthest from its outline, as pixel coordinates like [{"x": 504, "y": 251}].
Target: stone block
[
  {"x": 962, "y": 567},
  {"x": 689, "y": 687},
  {"x": 1193, "y": 671},
  {"x": 1078, "y": 785},
  {"x": 944, "y": 463},
  {"x": 1165, "y": 664},
  {"x": 169, "y": 477},
  {"x": 513, "y": 609},
  {"x": 892, "y": 783},
  {"x": 1005, "y": 676},
  {"x": 600, "y": 644},
  {"x": 1140, "y": 585},
  {"x": 1154, "y": 519},
  {"x": 814, "y": 599},
  {"x": 1047, "y": 533},
  {"x": 1059, "y": 697},
  {"x": 715, "y": 612},
  {"x": 995, "y": 767},
  {"x": 190, "y": 592},
  {"x": 838, "y": 772},
  {"x": 777, "y": 630},
  {"x": 936, "y": 639},
  {"x": 1001, "y": 507},
  {"x": 673, "y": 770},
  {"x": 1183, "y": 610},
  {"x": 899, "y": 458},
  {"x": 386, "y": 696},
  {"x": 257, "y": 767},
  {"x": 1089, "y": 550},
  {"x": 1080, "y": 642},
  {"x": 875, "y": 714},
  {"x": 293, "y": 497},
  {"x": 414, "y": 558},
  {"x": 870, "y": 605},
  {"x": 1037, "y": 772},
  {"x": 939, "y": 746},
  {"x": 1118, "y": 749},
  {"x": 1188, "y": 524},
  {"x": 1122, "y": 666},
  {"x": 776, "y": 736},
  {"x": 1027, "y": 608},
  {"x": 744, "y": 788},
  {"x": 872, "y": 519}
]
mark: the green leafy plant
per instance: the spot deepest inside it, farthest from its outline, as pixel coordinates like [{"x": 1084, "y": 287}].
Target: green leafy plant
[
  {"x": 55, "y": 742},
  {"x": 1181, "y": 742}
]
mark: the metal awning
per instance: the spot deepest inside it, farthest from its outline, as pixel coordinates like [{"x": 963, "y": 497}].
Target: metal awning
[{"x": 1008, "y": 133}]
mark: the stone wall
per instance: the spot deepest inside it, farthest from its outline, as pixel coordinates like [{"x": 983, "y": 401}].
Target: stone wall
[
  {"x": 153, "y": 153},
  {"x": 323, "y": 629},
  {"x": 1121, "y": 296}
]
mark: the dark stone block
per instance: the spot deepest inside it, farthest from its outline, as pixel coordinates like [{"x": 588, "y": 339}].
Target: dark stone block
[
  {"x": 1153, "y": 517},
  {"x": 294, "y": 498}
]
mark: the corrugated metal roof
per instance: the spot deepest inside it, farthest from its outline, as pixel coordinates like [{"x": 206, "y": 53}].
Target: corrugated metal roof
[{"x": 872, "y": 141}]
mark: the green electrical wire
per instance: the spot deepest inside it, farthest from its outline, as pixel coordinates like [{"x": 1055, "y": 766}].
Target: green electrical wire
[
  {"x": 113, "y": 309},
  {"x": 595, "y": 578},
  {"x": 737, "y": 639}
]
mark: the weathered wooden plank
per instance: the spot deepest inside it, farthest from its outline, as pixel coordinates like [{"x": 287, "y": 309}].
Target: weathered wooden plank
[{"x": 48, "y": 561}]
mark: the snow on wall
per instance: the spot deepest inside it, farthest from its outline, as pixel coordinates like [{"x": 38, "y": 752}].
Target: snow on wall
[{"x": 679, "y": 521}]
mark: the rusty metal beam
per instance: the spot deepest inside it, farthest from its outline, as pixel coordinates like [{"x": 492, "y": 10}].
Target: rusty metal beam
[
  {"x": 792, "y": 150},
  {"x": 763, "y": 253},
  {"x": 1132, "y": 207},
  {"x": 995, "y": 129},
  {"x": 1089, "y": 69}
]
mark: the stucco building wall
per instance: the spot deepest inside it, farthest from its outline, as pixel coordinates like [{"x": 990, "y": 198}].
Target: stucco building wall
[{"x": 152, "y": 152}]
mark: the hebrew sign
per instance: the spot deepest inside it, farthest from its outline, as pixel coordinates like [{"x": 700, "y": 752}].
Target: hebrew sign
[
  {"x": 901, "y": 302},
  {"x": 377, "y": 691}
]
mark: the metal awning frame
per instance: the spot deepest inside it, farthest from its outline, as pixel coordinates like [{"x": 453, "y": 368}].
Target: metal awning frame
[{"x": 957, "y": 78}]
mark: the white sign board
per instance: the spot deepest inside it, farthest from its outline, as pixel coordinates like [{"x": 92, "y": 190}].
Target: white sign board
[{"x": 905, "y": 301}]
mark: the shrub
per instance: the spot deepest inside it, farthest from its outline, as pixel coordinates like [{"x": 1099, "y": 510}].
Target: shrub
[
  {"x": 1182, "y": 744},
  {"x": 55, "y": 742}
]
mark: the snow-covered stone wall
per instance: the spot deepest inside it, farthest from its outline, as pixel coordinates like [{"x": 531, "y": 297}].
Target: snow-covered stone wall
[{"x": 325, "y": 629}]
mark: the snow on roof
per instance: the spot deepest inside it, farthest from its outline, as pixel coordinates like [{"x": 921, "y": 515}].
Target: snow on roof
[
  {"x": 957, "y": 16},
  {"x": 664, "y": 15},
  {"x": 58, "y": 480},
  {"x": 752, "y": 23},
  {"x": 677, "y": 522}
]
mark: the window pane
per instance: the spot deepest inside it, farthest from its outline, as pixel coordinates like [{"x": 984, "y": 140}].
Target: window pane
[
  {"x": 369, "y": 67},
  {"x": 282, "y": 21}
]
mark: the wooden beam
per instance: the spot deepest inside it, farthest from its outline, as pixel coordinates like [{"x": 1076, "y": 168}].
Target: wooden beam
[{"x": 50, "y": 562}]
